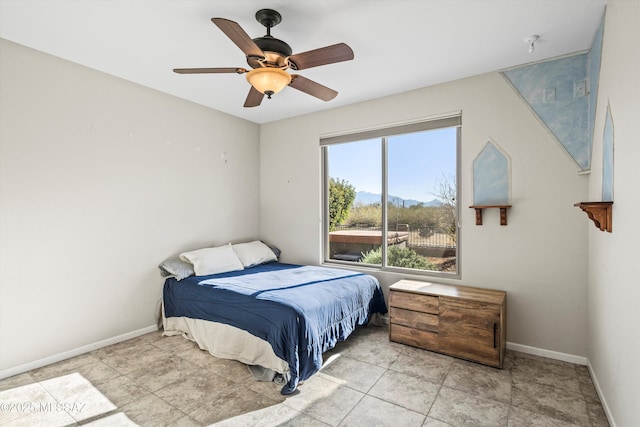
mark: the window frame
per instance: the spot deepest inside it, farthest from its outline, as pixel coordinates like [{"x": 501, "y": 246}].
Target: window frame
[{"x": 383, "y": 133}]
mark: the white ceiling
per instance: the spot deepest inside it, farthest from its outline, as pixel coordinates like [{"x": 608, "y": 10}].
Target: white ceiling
[{"x": 399, "y": 45}]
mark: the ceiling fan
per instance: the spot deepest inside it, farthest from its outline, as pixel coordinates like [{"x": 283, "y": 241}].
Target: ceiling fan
[{"x": 269, "y": 57}]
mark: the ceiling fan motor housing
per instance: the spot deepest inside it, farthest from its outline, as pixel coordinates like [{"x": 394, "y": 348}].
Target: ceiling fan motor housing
[{"x": 275, "y": 51}]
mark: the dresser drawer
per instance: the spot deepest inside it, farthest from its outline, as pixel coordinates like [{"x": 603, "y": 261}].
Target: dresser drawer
[
  {"x": 414, "y": 337},
  {"x": 414, "y": 319},
  {"x": 414, "y": 302}
]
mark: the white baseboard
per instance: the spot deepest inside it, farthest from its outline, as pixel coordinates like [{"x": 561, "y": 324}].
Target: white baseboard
[
  {"x": 571, "y": 358},
  {"x": 578, "y": 360},
  {"x": 603, "y": 401},
  {"x": 9, "y": 372}
]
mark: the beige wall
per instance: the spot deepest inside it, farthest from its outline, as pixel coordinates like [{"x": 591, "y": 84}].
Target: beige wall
[
  {"x": 101, "y": 179},
  {"x": 614, "y": 284},
  {"x": 539, "y": 258}
]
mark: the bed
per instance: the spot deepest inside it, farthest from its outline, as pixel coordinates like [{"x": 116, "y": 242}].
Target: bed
[{"x": 275, "y": 315}]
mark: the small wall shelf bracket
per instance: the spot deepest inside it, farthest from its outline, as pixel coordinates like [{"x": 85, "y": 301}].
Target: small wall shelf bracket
[
  {"x": 599, "y": 212},
  {"x": 503, "y": 212}
]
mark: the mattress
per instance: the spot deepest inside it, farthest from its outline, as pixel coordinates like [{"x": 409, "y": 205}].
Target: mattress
[{"x": 300, "y": 311}]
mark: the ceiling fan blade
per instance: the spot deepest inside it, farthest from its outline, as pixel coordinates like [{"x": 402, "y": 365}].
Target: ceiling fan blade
[
  {"x": 322, "y": 56},
  {"x": 239, "y": 37},
  {"x": 209, "y": 70},
  {"x": 312, "y": 88},
  {"x": 254, "y": 98}
]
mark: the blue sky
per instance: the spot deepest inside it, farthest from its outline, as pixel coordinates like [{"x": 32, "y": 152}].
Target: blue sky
[{"x": 417, "y": 163}]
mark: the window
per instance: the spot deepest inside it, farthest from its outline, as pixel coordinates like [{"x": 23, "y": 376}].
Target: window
[{"x": 400, "y": 183}]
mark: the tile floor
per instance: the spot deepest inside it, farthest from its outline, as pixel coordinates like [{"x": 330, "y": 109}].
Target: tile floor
[{"x": 366, "y": 381}]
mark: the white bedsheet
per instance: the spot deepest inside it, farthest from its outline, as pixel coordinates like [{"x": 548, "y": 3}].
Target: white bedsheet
[{"x": 225, "y": 341}]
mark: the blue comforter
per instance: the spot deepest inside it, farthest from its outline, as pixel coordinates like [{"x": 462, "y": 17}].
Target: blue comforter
[{"x": 302, "y": 311}]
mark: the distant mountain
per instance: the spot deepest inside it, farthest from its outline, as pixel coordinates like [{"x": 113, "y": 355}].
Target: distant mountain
[{"x": 366, "y": 198}]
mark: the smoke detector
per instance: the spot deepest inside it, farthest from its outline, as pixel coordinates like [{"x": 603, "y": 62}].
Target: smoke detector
[{"x": 531, "y": 41}]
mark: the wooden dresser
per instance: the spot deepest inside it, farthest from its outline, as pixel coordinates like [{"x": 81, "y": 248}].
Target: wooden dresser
[{"x": 460, "y": 321}]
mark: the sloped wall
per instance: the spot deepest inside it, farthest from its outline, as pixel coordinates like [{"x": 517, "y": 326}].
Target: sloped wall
[{"x": 562, "y": 93}]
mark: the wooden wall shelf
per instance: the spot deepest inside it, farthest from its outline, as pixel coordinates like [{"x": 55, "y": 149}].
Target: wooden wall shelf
[
  {"x": 503, "y": 212},
  {"x": 599, "y": 212}
]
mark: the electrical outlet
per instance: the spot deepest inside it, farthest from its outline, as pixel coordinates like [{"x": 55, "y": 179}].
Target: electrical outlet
[{"x": 579, "y": 89}]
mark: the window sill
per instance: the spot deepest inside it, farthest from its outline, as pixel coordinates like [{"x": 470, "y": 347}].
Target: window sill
[{"x": 401, "y": 273}]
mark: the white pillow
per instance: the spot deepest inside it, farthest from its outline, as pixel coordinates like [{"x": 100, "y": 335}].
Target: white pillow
[
  {"x": 213, "y": 260},
  {"x": 254, "y": 253}
]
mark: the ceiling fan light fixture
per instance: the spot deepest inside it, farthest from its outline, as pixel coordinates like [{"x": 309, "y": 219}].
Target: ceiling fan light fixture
[{"x": 268, "y": 80}]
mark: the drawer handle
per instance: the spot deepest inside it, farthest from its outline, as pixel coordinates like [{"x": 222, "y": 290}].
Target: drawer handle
[{"x": 495, "y": 327}]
